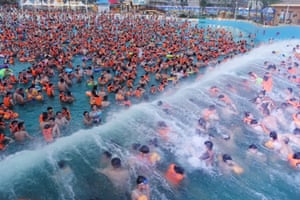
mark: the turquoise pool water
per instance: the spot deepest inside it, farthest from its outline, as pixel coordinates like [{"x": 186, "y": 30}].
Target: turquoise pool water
[{"x": 31, "y": 173}]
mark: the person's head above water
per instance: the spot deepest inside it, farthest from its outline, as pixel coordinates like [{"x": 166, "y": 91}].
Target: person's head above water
[
  {"x": 116, "y": 163},
  {"x": 141, "y": 180},
  {"x": 202, "y": 122},
  {"x": 62, "y": 164},
  {"x": 107, "y": 154},
  {"x": 296, "y": 155},
  {"x": 209, "y": 145},
  {"x": 212, "y": 107},
  {"x": 273, "y": 135},
  {"x": 178, "y": 169},
  {"x": 252, "y": 146},
  {"x": 226, "y": 157},
  {"x": 144, "y": 149},
  {"x": 296, "y": 131}
]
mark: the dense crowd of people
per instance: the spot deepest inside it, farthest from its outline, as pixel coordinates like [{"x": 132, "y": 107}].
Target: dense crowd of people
[{"x": 130, "y": 57}]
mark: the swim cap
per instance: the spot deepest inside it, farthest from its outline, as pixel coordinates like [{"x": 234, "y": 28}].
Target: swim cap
[
  {"x": 141, "y": 179},
  {"x": 209, "y": 144},
  {"x": 226, "y": 157},
  {"x": 144, "y": 149}
]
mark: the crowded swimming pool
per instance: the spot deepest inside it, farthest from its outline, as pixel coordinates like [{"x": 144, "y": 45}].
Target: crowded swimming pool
[{"x": 31, "y": 173}]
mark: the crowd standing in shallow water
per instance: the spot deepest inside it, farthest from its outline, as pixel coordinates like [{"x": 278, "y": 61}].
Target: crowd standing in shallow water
[
  {"x": 127, "y": 57},
  {"x": 116, "y": 49}
]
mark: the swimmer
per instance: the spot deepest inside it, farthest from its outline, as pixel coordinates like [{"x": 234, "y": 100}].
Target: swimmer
[
  {"x": 105, "y": 158},
  {"x": 294, "y": 137},
  {"x": 208, "y": 155},
  {"x": 285, "y": 149},
  {"x": 4, "y": 141},
  {"x": 210, "y": 113},
  {"x": 142, "y": 189},
  {"x": 202, "y": 126},
  {"x": 294, "y": 160},
  {"x": 118, "y": 175},
  {"x": 175, "y": 174},
  {"x": 87, "y": 119},
  {"x": 143, "y": 160},
  {"x": 21, "y": 134},
  {"x": 228, "y": 165},
  {"x": 65, "y": 176},
  {"x": 274, "y": 143},
  {"x": 163, "y": 129},
  {"x": 60, "y": 120},
  {"x": 248, "y": 117},
  {"x": 228, "y": 102},
  {"x": 253, "y": 151},
  {"x": 95, "y": 114},
  {"x": 147, "y": 157}
]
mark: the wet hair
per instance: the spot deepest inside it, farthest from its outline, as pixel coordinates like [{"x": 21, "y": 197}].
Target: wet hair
[
  {"x": 273, "y": 135},
  {"x": 226, "y": 157},
  {"x": 202, "y": 122},
  {"x": 46, "y": 126},
  {"x": 247, "y": 114},
  {"x": 61, "y": 164},
  {"x": 49, "y": 108},
  {"x": 153, "y": 142},
  {"x": 209, "y": 144},
  {"x": 141, "y": 179},
  {"x": 107, "y": 154},
  {"x": 296, "y": 155},
  {"x": 144, "y": 149},
  {"x": 211, "y": 107},
  {"x": 286, "y": 140},
  {"x": 296, "y": 131},
  {"x": 253, "y": 121},
  {"x": 262, "y": 92},
  {"x": 290, "y": 90},
  {"x": 178, "y": 169},
  {"x": 161, "y": 124},
  {"x": 283, "y": 105},
  {"x": 85, "y": 113},
  {"x": 252, "y": 146},
  {"x": 20, "y": 125},
  {"x": 221, "y": 96},
  {"x": 266, "y": 111},
  {"x": 44, "y": 116},
  {"x": 116, "y": 162}
]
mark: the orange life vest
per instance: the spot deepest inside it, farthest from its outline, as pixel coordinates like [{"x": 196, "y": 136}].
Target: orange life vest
[
  {"x": 2, "y": 140},
  {"x": 172, "y": 176}
]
